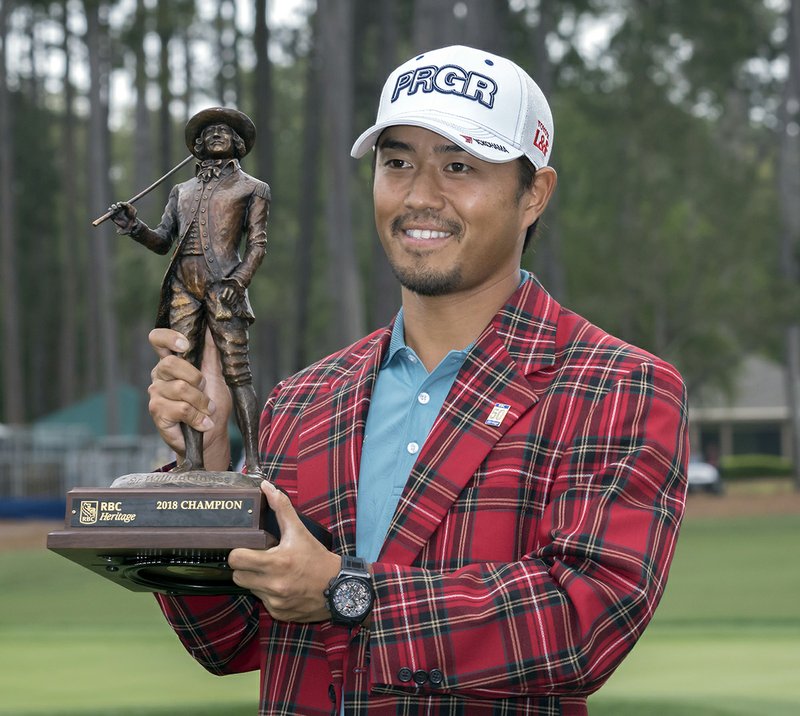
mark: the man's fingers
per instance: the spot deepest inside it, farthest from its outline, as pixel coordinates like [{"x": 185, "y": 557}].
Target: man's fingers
[
  {"x": 166, "y": 342},
  {"x": 285, "y": 514},
  {"x": 172, "y": 367},
  {"x": 177, "y": 402}
]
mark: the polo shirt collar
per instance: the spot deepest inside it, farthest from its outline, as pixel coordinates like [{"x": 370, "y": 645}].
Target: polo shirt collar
[{"x": 397, "y": 341}]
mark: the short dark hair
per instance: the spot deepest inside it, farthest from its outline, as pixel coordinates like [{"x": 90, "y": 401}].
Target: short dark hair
[{"x": 526, "y": 174}]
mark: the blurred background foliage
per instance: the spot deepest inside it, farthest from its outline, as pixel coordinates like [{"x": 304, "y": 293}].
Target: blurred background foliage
[{"x": 675, "y": 224}]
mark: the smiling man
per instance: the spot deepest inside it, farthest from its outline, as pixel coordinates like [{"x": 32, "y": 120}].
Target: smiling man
[{"x": 503, "y": 480}]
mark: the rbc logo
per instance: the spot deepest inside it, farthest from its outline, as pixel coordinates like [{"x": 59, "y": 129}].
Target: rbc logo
[
  {"x": 448, "y": 79},
  {"x": 88, "y": 512}
]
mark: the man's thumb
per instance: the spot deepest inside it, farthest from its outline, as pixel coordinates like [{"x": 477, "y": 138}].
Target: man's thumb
[{"x": 281, "y": 505}]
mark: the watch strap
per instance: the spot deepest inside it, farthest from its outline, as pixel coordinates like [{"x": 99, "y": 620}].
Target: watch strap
[{"x": 354, "y": 566}]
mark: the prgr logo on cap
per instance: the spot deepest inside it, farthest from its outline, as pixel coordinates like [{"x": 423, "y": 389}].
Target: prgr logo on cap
[
  {"x": 492, "y": 145},
  {"x": 448, "y": 79}
]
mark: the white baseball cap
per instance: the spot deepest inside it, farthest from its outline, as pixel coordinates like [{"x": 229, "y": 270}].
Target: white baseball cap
[{"x": 486, "y": 104}]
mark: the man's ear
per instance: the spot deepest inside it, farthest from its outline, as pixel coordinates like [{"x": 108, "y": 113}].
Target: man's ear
[{"x": 538, "y": 196}]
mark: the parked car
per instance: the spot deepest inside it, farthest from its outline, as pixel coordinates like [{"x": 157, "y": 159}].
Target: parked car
[{"x": 703, "y": 476}]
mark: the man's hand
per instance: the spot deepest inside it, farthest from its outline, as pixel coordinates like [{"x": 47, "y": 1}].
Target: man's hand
[
  {"x": 291, "y": 577},
  {"x": 180, "y": 393},
  {"x": 124, "y": 216},
  {"x": 232, "y": 292}
]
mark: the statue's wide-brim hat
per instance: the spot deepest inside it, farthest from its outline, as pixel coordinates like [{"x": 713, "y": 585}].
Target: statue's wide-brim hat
[{"x": 238, "y": 121}]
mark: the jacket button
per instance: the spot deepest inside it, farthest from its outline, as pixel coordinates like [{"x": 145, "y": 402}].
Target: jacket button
[
  {"x": 436, "y": 677},
  {"x": 405, "y": 675},
  {"x": 420, "y": 677}
]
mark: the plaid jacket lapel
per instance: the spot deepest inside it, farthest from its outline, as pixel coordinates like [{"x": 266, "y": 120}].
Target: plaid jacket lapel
[{"x": 499, "y": 371}]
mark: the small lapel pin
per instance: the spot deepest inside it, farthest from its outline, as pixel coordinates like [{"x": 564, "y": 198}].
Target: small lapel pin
[{"x": 498, "y": 414}]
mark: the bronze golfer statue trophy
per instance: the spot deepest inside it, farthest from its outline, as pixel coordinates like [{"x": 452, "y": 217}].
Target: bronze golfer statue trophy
[{"x": 171, "y": 532}]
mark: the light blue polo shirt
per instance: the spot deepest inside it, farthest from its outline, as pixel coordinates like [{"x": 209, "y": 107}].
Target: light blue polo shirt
[{"x": 405, "y": 402}]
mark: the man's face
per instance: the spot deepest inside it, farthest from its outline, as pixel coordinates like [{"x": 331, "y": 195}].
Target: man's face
[
  {"x": 448, "y": 221},
  {"x": 218, "y": 141}
]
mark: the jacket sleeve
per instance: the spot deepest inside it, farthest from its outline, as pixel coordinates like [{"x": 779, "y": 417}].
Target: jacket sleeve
[
  {"x": 559, "y": 620},
  {"x": 220, "y": 632},
  {"x": 160, "y": 238},
  {"x": 256, "y": 235}
]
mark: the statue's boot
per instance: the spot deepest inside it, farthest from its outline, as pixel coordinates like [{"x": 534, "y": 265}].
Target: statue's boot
[
  {"x": 246, "y": 408},
  {"x": 194, "y": 450}
]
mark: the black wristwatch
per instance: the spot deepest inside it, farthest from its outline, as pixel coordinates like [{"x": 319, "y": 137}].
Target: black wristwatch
[{"x": 350, "y": 595}]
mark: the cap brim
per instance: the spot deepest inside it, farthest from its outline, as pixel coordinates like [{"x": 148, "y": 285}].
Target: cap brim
[{"x": 474, "y": 139}]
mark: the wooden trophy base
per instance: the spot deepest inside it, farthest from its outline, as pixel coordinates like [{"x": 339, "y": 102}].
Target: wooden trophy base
[{"x": 169, "y": 533}]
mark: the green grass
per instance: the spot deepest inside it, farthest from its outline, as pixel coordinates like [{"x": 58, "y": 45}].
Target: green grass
[
  {"x": 725, "y": 641},
  {"x": 74, "y": 643}
]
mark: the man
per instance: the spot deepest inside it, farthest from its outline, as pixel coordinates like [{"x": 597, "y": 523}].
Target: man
[
  {"x": 205, "y": 286},
  {"x": 503, "y": 480}
]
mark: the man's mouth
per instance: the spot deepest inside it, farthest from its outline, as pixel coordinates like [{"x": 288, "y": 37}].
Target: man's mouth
[
  {"x": 425, "y": 228},
  {"x": 424, "y": 234}
]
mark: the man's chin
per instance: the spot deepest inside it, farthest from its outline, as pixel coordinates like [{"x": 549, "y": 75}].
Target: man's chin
[{"x": 428, "y": 283}]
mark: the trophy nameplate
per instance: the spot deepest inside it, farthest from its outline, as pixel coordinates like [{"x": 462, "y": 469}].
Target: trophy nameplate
[{"x": 169, "y": 533}]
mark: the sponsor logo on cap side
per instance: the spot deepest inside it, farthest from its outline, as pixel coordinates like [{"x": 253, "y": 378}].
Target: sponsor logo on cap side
[
  {"x": 448, "y": 79},
  {"x": 484, "y": 143},
  {"x": 541, "y": 139}
]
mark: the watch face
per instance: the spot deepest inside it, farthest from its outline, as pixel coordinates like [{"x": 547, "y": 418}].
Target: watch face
[{"x": 351, "y": 598}]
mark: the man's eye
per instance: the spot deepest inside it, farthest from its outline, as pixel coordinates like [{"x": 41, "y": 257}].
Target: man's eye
[
  {"x": 458, "y": 167},
  {"x": 396, "y": 163}
]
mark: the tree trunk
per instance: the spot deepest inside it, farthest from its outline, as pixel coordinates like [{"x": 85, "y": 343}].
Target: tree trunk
[
  {"x": 263, "y": 92},
  {"x": 477, "y": 23},
  {"x": 69, "y": 237},
  {"x": 336, "y": 32},
  {"x": 13, "y": 397},
  {"x": 102, "y": 280},
  {"x": 140, "y": 359},
  {"x": 546, "y": 246},
  {"x": 309, "y": 197},
  {"x": 788, "y": 191},
  {"x": 228, "y": 80},
  {"x": 264, "y": 346},
  {"x": 164, "y": 28},
  {"x": 384, "y": 287}
]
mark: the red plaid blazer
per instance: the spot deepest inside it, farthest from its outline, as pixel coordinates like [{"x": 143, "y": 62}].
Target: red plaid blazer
[{"x": 524, "y": 559}]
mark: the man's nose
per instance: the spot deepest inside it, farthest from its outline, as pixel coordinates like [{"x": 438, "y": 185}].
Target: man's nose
[{"x": 424, "y": 190}]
